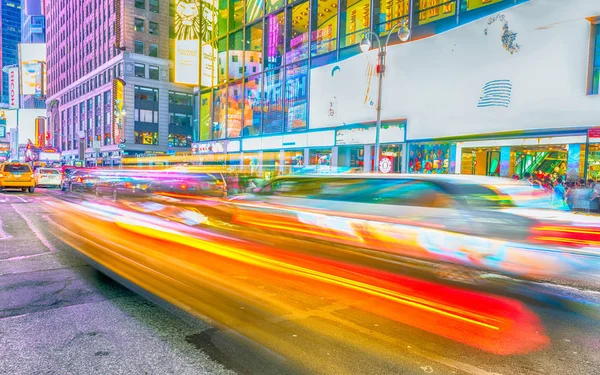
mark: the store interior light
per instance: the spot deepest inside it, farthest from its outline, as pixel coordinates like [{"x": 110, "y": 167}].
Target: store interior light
[{"x": 365, "y": 44}]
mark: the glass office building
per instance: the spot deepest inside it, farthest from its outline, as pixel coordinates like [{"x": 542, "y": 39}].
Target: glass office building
[
  {"x": 256, "y": 56},
  {"x": 10, "y": 38}
]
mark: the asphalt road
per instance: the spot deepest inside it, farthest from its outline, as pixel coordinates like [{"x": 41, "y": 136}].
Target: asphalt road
[{"x": 60, "y": 316}]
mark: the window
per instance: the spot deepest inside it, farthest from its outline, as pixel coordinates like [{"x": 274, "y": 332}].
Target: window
[
  {"x": 140, "y": 70},
  {"x": 222, "y": 60},
  {"x": 427, "y": 11},
  {"x": 273, "y": 5},
  {"x": 153, "y": 50},
  {"x": 153, "y": 6},
  {"x": 153, "y": 28},
  {"x": 180, "y": 98},
  {"x": 595, "y": 89},
  {"x": 472, "y": 5},
  {"x": 254, "y": 9},
  {"x": 253, "y": 49},
  {"x": 205, "y": 116},
  {"x": 324, "y": 35},
  {"x": 391, "y": 12},
  {"x": 297, "y": 23},
  {"x": 153, "y": 72},
  {"x": 146, "y": 93},
  {"x": 273, "y": 103},
  {"x": 275, "y": 29},
  {"x": 138, "y": 47},
  {"x": 140, "y": 4},
  {"x": 296, "y": 94},
  {"x": 222, "y": 18},
  {"x": 236, "y": 14},
  {"x": 357, "y": 20},
  {"x": 139, "y": 24},
  {"x": 236, "y": 49},
  {"x": 146, "y": 138},
  {"x": 145, "y": 115},
  {"x": 252, "y": 105},
  {"x": 220, "y": 112},
  {"x": 234, "y": 110}
]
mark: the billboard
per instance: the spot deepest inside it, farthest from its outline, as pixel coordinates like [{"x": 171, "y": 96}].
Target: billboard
[
  {"x": 32, "y": 61},
  {"x": 13, "y": 88},
  {"x": 187, "y": 38},
  {"x": 118, "y": 111}
]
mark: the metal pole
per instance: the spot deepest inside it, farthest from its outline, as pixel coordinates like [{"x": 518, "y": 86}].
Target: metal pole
[
  {"x": 381, "y": 56},
  {"x": 587, "y": 156}
]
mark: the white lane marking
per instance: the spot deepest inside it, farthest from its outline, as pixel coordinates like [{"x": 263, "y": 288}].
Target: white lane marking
[
  {"x": 23, "y": 257},
  {"x": 35, "y": 231},
  {"x": 23, "y": 200}
]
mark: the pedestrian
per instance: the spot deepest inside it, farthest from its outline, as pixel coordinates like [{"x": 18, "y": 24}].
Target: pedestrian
[
  {"x": 559, "y": 192},
  {"x": 582, "y": 197},
  {"x": 595, "y": 198}
]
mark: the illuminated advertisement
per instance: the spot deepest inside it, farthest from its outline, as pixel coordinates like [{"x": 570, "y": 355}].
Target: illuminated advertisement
[
  {"x": 476, "y": 4},
  {"x": 32, "y": 60},
  {"x": 205, "y": 116},
  {"x": 433, "y": 10},
  {"x": 208, "y": 75},
  {"x": 118, "y": 112},
  {"x": 187, "y": 34},
  {"x": 13, "y": 88}
]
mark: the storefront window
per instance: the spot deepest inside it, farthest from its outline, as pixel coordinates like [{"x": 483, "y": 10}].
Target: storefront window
[
  {"x": 270, "y": 162},
  {"x": 427, "y": 11},
  {"x": 254, "y": 9},
  {"x": 251, "y": 162},
  {"x": 273, "y": 103},
  {"x": 236, "y": 55},
  {"x": 252, "y": 105},
  {"x": 481, "y": 161},
  {"x": 321, "y": 158},
  {"x": 392, "y": 12},
  {"x": 205, "y": 116},
  {"x": 393, "y": 154},
  {"x": 180, "y": 140},
  {"x": 146, "y": 138},
  {"x": 352, "y": 157},
  {"x": 324, "y": 34},
  {"x": 253, "y": 49},
  {"x": 234, "y": 111},
  {"x": 297, "y": 24},
  {"x": 357, "y": 20},
  {"x": 219, "y": 112},
  {"x": 429, "y": 158},
  {"x": 594, "y": 162},
  {"x": 222, "y": 60},
  {"x": 293, "y": 161},
  {"x": 296, "y": 94},
  {"x": 543, "y": 160},
  {"x": 275, "y": 34}
]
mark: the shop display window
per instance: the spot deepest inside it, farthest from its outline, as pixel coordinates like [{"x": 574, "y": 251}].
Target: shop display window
[
  {"x": 429, "y": 158},
  {"x": 146, "y": 138}
]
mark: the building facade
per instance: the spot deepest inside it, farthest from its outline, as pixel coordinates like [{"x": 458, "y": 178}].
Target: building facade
[
  {"x": 33, "y": 30},
  {"x": 10, "y": 29},
  {"x": 496, "y": 87},
  {"x": 109, "y": 88}
]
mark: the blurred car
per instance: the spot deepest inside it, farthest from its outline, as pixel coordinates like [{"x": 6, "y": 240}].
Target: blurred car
[
  {"x": 80, "y": 180},
  {"x": 47, "y": 177},
  {"x": 123, "y": 185},
  {"x": 15, "y": 175},
  {"x": 190, "y": 182},
  {"x": 456, "y": 220}
]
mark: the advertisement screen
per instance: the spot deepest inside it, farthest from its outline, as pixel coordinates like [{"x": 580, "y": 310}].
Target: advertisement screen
[
  {"x": 117, "y": 97},
  {"x": 187, "y": 34},
  {"x": 32, "y": 59},
  {"x": 13, "y": 88}
]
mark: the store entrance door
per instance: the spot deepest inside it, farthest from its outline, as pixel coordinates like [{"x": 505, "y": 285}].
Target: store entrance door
[{"x": 481, "y": 161}]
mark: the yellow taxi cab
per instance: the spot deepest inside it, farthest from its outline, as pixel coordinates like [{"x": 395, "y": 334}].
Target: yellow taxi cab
[{"x": 14, "y": 175}]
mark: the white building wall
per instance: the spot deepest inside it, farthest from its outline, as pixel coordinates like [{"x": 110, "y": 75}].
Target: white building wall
[{"x": 436, "y": 83}]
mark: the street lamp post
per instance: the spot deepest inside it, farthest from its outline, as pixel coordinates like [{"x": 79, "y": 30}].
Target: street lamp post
[{"x": 365, "y": 46}]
